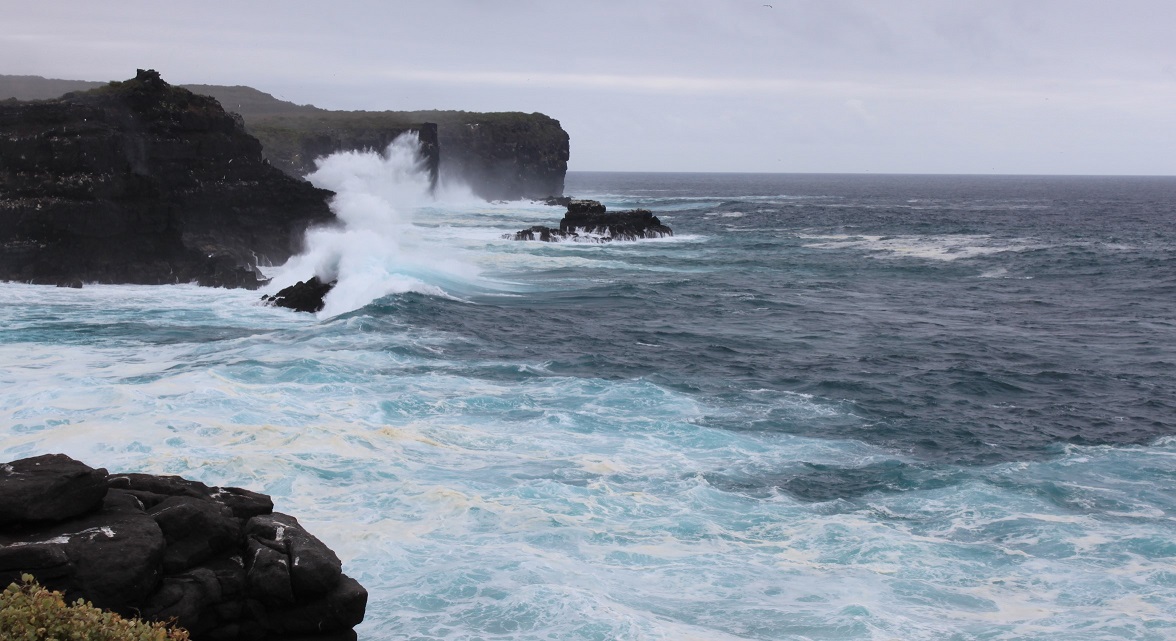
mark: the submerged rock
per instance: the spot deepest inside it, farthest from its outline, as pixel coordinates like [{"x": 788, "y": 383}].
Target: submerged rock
[
  {"x": 303, "y": 296},
  {"x": 588, "y": 220},
  {"x": 218, "y": 560},
  {"x": 142, "y": 182}
]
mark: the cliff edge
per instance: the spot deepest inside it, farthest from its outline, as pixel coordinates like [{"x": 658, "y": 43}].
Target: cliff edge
[
  {"x": 142, "y": 182},
  {"x": 502, "y": 155}
]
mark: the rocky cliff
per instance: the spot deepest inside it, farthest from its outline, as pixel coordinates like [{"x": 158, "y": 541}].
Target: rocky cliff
[
  {"x": 142, "y": 182},
  {"x": 502, "y": 156}
]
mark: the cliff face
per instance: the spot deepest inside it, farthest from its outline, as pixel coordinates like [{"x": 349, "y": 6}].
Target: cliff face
[
  {"x": 292, "y": 143},
  {"x": 502, "y": 156},
  {"x": 142, "y": 182}
]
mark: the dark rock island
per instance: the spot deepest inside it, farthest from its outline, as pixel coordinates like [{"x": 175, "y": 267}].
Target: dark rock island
[
  {"x": 142, "y": 182},
  {"x": 303, "y": 296},
  {"x": 588, "y": 220},
  {"x": 218, "y": 560}
]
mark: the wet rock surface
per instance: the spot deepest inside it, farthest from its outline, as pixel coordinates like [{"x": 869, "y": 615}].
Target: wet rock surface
[
  {"x": 219, "y": 560},
  {"x": 303, "y": 296},
  {"x": 589, "y": 220}
]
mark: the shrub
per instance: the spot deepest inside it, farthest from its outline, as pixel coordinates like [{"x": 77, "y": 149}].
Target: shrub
[{"x": 29, "y": 612}]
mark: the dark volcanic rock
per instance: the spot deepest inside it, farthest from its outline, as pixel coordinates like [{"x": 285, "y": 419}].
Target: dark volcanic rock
[
  {"x": 587, "y": 220},
  {"x": 303, "y": 296},
  {"x": 142, "y": 182},
  {"x": 579, "y": 207},
  {"x": 217, "y": 560},
  {"x": 110, "y": 557},
  {"x": 293, "y": 144},
  {"x": 53, "y": 487},
  {"x": 557, "y": 201},
  {"x": 502, "y": 156}
]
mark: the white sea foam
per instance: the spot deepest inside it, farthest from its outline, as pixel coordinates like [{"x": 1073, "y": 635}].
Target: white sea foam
[
  {"x": 377, "y": 250},
  {"x": 587, "y": 514},
  {"x": 946, "y": 247}
]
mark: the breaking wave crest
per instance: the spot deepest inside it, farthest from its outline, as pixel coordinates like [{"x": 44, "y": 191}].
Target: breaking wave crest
[{"x": 376, "y": 249}]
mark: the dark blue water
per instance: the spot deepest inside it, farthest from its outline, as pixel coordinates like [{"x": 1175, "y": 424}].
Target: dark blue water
[
  {"x": 831, "y": 407},
  {"x": 954, "y": 319}
]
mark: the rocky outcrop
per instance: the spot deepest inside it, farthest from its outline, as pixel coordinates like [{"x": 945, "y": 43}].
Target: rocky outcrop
[
  {"x": 218, "y": 560},
  {"x": 142, "y": 182},
  {"x": 588, "y": 220},
  {"x": 303, "y": 296}
]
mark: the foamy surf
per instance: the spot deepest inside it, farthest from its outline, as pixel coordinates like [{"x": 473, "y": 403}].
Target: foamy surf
[
  {"x": 939, "y": 247},
  {"x": 376, "y": 250},
  {"x": 734, "y": 438}
]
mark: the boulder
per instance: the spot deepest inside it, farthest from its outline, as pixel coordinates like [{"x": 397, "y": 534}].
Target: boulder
[
  {"x": 217, "y": 560},
  {"x": 303, "y": 296},
  {"x": 111, "y": 557},
  {"x": 53, "y": 487}
]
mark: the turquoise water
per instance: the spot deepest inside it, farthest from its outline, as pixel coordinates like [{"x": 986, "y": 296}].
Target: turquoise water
[{"x": 834, "y": 407}]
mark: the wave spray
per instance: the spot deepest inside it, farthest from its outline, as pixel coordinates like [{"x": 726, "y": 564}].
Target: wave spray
[{"x": 375, "y": 250}]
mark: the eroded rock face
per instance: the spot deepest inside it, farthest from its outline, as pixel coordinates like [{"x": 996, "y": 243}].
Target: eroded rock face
[
  {"x": 142, "y": 182},
  {"x": 219, "y": 560},
  {"x": 588, "y": 220}
]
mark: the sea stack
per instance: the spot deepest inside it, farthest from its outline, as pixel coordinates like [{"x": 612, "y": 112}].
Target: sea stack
[{"x": 589, "y": 220}]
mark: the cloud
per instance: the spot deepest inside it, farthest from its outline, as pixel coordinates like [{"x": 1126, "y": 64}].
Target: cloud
[{"x": 968, "y": 85}]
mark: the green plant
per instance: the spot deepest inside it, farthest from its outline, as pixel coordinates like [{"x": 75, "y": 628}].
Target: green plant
[{"x": 29, "y": 612}]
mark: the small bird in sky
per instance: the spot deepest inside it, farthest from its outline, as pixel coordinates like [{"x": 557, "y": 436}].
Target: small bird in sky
[{"x": 768, "y": 6}]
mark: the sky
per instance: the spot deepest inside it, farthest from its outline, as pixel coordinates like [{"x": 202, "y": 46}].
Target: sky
[{"x": 839, "y": 86}]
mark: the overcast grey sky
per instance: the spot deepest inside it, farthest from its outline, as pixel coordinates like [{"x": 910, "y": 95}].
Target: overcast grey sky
[{"x": 925, "y": 86}]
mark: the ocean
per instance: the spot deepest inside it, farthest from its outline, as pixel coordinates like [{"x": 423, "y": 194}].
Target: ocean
[{"x": 829, "y": 407}]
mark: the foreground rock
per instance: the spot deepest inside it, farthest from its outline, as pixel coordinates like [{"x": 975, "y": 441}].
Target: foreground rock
[
  {"x": 219, "y": 560},
  {"x": 588, "y": 220},
  {"x": 303, "y": 296},
  {"x": 142, "y": 182}
]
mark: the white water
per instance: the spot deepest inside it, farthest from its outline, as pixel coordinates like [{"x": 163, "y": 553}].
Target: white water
[
  {"x": 484, "y": 499},
  {"x": 377, "y": 249}
]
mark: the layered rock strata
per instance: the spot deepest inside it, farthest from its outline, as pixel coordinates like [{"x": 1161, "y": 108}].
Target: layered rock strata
[
  {"x": 219, "y": 561},
  {"x": 142, "y": 182},
  {"x": 589, "y": 220}
]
